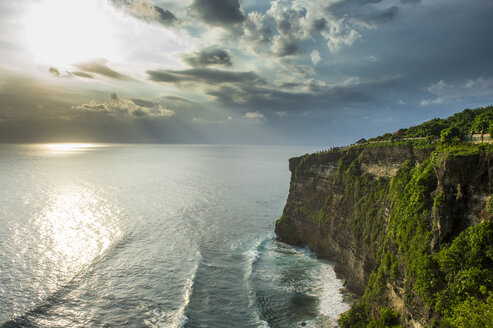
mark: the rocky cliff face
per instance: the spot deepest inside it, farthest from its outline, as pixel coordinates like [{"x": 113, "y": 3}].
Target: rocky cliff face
[
  {"x": 341, "y": 204},
  {"x": 315, "y": 188}
]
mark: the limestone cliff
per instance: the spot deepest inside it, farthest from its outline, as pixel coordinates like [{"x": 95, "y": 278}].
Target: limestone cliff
[{"x": 378, "y": 212}]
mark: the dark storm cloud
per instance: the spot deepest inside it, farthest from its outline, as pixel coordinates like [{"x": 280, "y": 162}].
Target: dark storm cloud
[
  {"x": 209, "y": 56},
  {"x": 204, "y": 75},
  {"x": 364, "y": 11},
  {"x": 319, "y": 24},
  {"x": 285, "y": 48},
  {"x": 99, "y": 66},
  {"x": 166, "y": 16},
  {"x": 218, "y": 12},
  {"x": 143, "y": 9},
  {"x": 438, "y": 48},
  {"x": 299, "y": 97}
]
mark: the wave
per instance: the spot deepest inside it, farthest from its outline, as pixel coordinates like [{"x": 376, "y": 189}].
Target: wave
[
  {"x": 175, "y": 319},
  {"x": 259, "y": 247}
]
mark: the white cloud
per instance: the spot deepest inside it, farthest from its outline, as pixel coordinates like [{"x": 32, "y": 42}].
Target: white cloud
[
  {"x": 256, "y": 117},
  {"x": 445, "y": 92},
  {"x": 315, "y": 56},
  {"x": 338, "y": 39},
  {"x": 427, "y": 102},
  {"x": 123, "y": 108}
]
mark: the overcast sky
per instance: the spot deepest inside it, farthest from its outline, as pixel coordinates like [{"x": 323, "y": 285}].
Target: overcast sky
[{"x": 238, "y": 71}]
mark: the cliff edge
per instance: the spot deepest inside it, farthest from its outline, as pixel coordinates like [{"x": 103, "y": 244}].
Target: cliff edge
[{"x": 408, "y": 226}]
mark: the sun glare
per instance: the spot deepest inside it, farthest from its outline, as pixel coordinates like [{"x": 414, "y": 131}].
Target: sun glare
[
  {"x": 61, "y": 32},
  {"x": 68, "y": 147}
]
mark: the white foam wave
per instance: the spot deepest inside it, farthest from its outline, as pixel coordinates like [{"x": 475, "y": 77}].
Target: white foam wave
[
  {"x": 177, "y": 319},
  {"x": 255, "y": 255},
  {"x": 180, "y": 318},
  {"x": 329, "y": 292}
]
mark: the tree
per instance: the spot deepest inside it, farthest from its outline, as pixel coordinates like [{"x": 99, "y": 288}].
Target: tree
[{"x": 483, "y": 122}]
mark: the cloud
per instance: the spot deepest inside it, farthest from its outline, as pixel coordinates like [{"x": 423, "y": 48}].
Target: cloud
[
  {"x": 69, "y": 74},
  {"x": 54, "y": 71},
  {"x": 209, "y": 56},
  {"x": 468, "y": 89},
  {"x": 201, "y": 120},
  {"x": 284, "y": 47},
  {"x": 301, "y": 95},
  {"x": 167, "y": 17},
  {"x": 319, "y": 24},
  {"x": 257, "y": 32},
  {"x": 281, "y": 113},
  {"x": 315, "y": 57},
  {"x": 143, "y": 9},
  {"x": 203, "y": 75},
  {"x": 93, "y": 106},
  {"x": 427, "y": 102},
  {"x": 255, "y": 117},
  {"x": 99, "y": 66},
  {"x": 287, "y": 25},
  {"x": 82, "y": 74},
  {"x": 124, "y": 108},
  {"x": 386, "y": 15},
  {"x": 177, "y": 99},
  {"x": 218, "y": 12}
]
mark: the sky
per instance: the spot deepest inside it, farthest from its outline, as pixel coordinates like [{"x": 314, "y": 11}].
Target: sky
[{"x": 303, "y": 72}]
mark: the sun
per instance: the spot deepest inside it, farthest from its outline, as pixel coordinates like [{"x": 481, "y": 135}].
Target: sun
[{"x": 62, "y": 32}]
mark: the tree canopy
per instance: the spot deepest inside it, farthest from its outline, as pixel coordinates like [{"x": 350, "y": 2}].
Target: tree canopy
[{"x": 468, "y": 121}]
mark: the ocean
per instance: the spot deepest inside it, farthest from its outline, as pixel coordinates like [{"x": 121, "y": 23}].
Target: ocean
[{"x": 154, "y": 236}]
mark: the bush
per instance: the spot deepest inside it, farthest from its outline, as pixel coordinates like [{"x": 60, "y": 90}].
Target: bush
[
  {"x": 389, "y": 318},
  {"x": 357, "y": 317},
  {"x": 450, "y": 135}
]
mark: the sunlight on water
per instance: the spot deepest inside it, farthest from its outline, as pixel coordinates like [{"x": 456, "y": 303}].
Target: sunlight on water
[
  {"x": 75, "y": 228},
  {"x": 61, "y": 148}
]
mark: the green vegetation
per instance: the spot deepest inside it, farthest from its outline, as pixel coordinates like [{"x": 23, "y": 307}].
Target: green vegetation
[
  {"x": 482, "y": 122},
  {"x": 361, "y": 194},
  {"x": 450, "y": 135},
  {"x": 467, "y": 122},
  {"x": 455, "y": 282}
]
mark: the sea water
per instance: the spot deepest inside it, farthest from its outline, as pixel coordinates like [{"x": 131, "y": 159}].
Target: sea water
[{"x": 154, "y": 236}]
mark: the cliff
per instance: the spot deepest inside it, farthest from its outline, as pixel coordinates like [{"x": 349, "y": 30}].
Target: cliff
[{"x": 388, "y": 216}]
